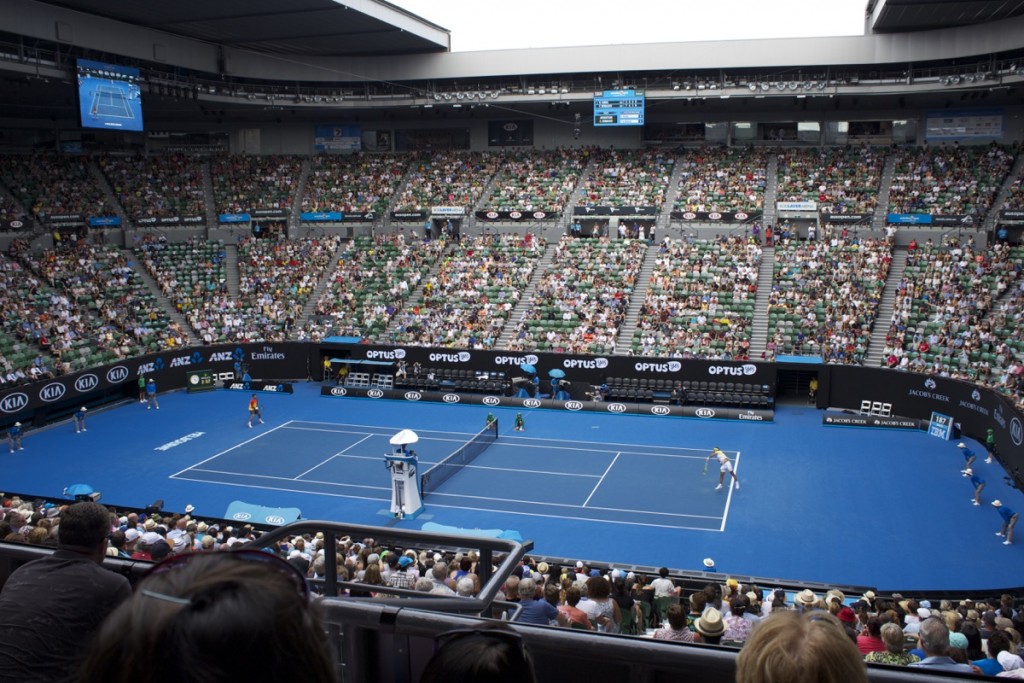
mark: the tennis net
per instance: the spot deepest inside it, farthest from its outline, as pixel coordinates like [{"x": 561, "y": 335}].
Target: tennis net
[{"x": 432, "y": 479}]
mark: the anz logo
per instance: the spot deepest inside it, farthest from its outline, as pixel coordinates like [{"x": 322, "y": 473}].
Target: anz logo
[
  {"x": 450, "y": 398},
  {"x": 375, "y": 393},
  {"x": 531, "y": 403},
  {"x": 660, "y": 410},
  {"x": 616, "y": 408},
  {"x": 704, "y": 412},
  {"x": 339, "y": 391},
  {"x": 117, "y": 374},
  {"x": 491, "y": 401},
  {"x": 409, "y": 395},
  {"x": 573, "y": 405},
  {"x": 52, "y": 391}
]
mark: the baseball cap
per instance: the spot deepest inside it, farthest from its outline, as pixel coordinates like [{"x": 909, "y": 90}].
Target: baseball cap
[
  {"x": 997, "y": 503},
  {"x": 961, "y": 445},
  {"x": 404, "y": 561}
]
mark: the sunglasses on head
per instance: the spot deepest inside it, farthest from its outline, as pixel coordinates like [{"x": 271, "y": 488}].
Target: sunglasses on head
[{"x": 272, "y": 562}]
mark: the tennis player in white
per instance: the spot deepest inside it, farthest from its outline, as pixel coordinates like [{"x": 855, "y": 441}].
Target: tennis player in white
[{"x": 725, "y": 466}]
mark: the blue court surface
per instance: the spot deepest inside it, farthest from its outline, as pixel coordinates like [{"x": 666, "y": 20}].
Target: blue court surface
[{"x": 843, "y": 505}]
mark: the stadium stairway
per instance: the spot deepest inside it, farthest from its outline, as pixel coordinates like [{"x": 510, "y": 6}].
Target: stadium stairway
[
  {"x": 166, "y": 305},
  {"x": 671, "y": 193},
  {"x": 624, "y": 340},
  {"x": 208, "y": 196},
  {"x": 412, "y": 300},
  {"x": 771, "y": 190},
  {"x": 885, "y": 184},
  {"x": 526, "y": 299},
  {"x": 300, "y": 192},
  {"x": 759, "y": 325},
  {"x": 108, "y": 192},
  {"x": 574, "y": 198},
  {"x": 314, "y": 297},
  {"x": 997, "y": 204},
  {"x": 231, "y": 275},
  {"x": 885, "y": 308}
]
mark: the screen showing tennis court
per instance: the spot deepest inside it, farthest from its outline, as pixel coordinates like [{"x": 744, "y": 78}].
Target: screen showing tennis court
[{"x": 108, "y": 96}]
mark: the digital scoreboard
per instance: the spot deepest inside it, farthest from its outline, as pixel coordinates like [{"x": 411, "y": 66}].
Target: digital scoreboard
[
  {"x": 619, "y": 108},
  {"x": 941, "y": 426},
  {"x": 199, "y": 380}
]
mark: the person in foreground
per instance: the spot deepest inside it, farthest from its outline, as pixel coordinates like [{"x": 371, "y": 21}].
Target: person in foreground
[
  {"x": 51, "y": 607},
  {"x": 490, "y": 654},
  {"x": 229, "y": 616},
  {"x": 792, "y": 647}
]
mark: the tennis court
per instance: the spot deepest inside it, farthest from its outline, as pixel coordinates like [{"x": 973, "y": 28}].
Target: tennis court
[
  {"x": 520, "y": 475},
  {"x": 819, "y": 503},
  {"x": 108, "y": 100}
]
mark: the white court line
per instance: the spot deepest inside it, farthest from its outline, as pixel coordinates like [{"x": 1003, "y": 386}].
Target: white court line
[
  {"x": 384, "y": 431},
  {"x": 458, "y": 507},
  {"x": 605, "y": 443},
  {"x": 341, "y": 452},
  {"x": 474, "y": 467},
  {"x": 565, "y": 505},
  {"x": 728, "y": 498},
  {"x": 601, "y": 480},
  {"x": 309, "y": 481},
  {"x": 238, "y": 445}
]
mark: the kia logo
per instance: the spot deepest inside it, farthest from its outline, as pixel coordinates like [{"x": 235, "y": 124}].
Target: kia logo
[
  {"x": 616, "y": 408},
  {"x": 1016, "y": 431},
  {"x": 51, "y": 392},
  {"x": 573, "y": 405},
  {"x": 531, "y": 403},
  {"x": 12, "y": 403},
  {"x": 375, "y": 393},
  {"x": 660, "y": 410},
  {"x": 492, "y": 214},
  {"x": 715, "y": 216},
  {"x": 515, "y": 214},
  {"x": 539, "y": 215},
  {"x": 242, "y": 516},
  {"x": 276, "y": 520},
  {"x": 338, "y": 391},
  {"x": 17, "y": 224},
  {"x": 87, "y": 382},
  {"x": 741, "y": 216},
  {"x": 117, "y": 374},
  {"x": 511, "y": 126},
  {"x": 704, "y": 412},
  {"x": 689, "y": 215},
  {"x": 450, "y": 398},
  {"x": 491, "y": 401},
  {"x": 409, "y": 395}
]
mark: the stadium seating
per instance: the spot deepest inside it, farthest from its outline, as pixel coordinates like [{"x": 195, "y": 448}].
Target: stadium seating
[
  {"x": 722, "y": 179},
  {"x": 157, "y": 186},
  {"x": 357, "y": 183},
  {"x": 949, "y": 180},
  {"x": 839, "y": 179}
]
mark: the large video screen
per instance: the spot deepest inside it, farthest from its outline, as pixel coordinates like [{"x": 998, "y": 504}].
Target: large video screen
[{"x": 108, "y": 96}]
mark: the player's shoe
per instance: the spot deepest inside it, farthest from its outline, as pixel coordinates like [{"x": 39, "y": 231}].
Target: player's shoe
[
  {"x": 963, "y": 473},
  {"x": 737, "y": 486},
  {"x": 249, "y": 425},
  {"x": 1000, "y": 533},
  {"x": 975, "y": 502},
  {"x": 20, "y": 448},
  {"x": 1007, "y": 542},
  {"x": 988, "y": 461},
  {"x": 718, "y": 487},
  {"x": 150, "y": 407}
]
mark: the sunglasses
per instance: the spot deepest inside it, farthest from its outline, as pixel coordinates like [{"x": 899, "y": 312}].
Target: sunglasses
[{"x": 272, "y": 562}]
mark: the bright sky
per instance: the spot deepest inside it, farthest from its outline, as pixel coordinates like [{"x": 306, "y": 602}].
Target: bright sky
[{"x": 488, "y": 25}]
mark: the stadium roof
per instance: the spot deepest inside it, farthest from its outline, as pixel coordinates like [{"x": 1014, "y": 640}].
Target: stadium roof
[
  {"x": 354, "y": 28},
  {"x": 889, "y": 16}
]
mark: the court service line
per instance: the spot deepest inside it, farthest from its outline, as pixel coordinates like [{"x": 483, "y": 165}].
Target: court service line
[
  {"x": 601, "y": 480},
  {"x": 284, "y": 490},
  {"x": 603, "y": 443},
  {"x": 500, "y": 443},
  {"x": 238, "y": 445},
  {"x": 341, "y": 452},
  {"x": 430, "y": 463},
  {"x": 728, "y": 498}
]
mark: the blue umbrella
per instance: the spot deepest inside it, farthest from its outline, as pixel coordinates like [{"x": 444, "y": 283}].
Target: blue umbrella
[
  {"x": 78, "y": 490},
  {"x": 526, "y": 367},
  {"x": 556, "y": 372}
]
